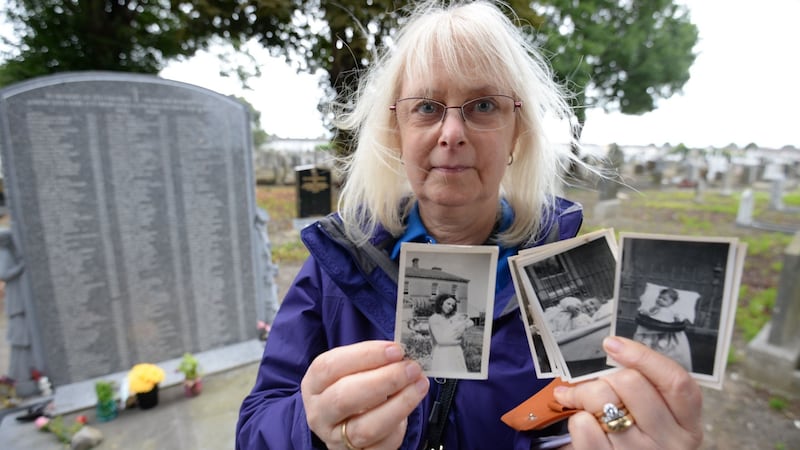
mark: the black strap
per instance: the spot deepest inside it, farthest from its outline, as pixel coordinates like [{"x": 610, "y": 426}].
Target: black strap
[{"x": 439, "y": 412}]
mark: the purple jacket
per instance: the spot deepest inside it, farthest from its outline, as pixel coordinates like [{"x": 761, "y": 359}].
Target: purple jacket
[{"x": 344, "y": 295}]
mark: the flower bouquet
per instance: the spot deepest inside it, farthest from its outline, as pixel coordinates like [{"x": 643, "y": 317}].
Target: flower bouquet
[{"x": 143, "y": 381}]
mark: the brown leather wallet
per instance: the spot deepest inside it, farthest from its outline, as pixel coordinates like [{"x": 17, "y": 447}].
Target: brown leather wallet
[{"x": 540, "y": 410}]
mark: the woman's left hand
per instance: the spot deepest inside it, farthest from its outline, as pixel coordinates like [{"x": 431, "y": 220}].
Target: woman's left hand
[{"x": 664, "y": 401}]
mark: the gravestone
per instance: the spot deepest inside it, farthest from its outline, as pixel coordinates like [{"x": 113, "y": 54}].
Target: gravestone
[
  {"x": 773, "y": 356},
  {"x": 700, "y": 190},
  {"x": 608, "y": 204},
  {"x": 313, "y": 194},
  {"x": 17, "y": 300},
  {"x": 749, "y": 175},
  {"x": 727, "y": 181},
  {"x": 744, "y": 216},
  {"x": 773, "y": 171},
  {"x": 132, "y": 203},
  {"x": 776, "y": 194}
]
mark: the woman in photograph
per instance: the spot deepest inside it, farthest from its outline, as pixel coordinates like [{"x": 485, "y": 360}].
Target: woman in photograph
[
  {"x": 447, "y": 332},
  {"x": 450, "y": 147},
  {"x": 663, "y": 328}
]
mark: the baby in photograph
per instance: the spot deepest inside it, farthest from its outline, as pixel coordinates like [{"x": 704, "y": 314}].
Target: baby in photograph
[{"x": 662, "y": 328}]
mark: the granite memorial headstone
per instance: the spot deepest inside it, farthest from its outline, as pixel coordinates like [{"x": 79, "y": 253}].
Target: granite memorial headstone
[{"x": 132, "y": 200}]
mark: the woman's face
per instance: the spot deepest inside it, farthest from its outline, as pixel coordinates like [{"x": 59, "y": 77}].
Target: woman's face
[
  {"x": 448, "y": 163},
  {"x": 448, "y": 305}
]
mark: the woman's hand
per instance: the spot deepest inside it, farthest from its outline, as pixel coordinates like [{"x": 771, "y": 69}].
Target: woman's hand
[
  {"x": 367, "y": 387},
  {"x": 663, "y": 399}
]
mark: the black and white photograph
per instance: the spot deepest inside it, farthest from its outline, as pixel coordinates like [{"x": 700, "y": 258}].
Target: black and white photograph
[
  {"x": 677, "y": 295},
  {"x": 545, "y": 368},
  {"x": 445, "y": 304},
  {"x": 570, "y": 286}
]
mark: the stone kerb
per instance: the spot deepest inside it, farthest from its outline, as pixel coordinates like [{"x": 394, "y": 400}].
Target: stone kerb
[{"x": 132, "y": 205}]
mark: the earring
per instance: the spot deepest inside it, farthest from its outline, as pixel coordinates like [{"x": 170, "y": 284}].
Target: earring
[{"x": 510, "y": 159}]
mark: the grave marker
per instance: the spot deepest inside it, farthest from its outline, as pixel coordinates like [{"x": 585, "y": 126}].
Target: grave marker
[
  {"x": 313, "y": 194},
  {"x": 132, "y": 198},
  {"x": 773, "y": 356}
]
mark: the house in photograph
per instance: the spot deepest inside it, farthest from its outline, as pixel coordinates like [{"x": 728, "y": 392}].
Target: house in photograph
[{"x": 422, "y": 285}]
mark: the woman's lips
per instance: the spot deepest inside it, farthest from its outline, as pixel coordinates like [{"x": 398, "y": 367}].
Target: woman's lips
[{"x": 450, "y": 169}]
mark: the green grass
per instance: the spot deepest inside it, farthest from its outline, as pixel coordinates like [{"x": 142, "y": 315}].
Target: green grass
[
  {"x": 778, "y": 403},
  {"x": 290, "y": 252},
  {"x": 755, "y": 313}
]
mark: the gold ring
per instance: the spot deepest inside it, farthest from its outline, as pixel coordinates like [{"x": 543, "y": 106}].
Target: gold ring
[
  {"x": 617, "y": 425},
  {"x": 345, "y": 440},
  {"x": 614, "y": 418}
]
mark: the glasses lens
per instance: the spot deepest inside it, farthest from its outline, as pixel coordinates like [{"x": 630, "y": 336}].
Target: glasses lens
[
  {"x": 419, "y": 112},
  {"x": 489, "y": 113}
]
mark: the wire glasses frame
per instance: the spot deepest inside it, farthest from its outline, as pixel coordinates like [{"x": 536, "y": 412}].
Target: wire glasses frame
[{"x": 487, "y": 113}]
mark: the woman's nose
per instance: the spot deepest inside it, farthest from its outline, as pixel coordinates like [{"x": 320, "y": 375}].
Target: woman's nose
[{"x": 453, "y": 128}]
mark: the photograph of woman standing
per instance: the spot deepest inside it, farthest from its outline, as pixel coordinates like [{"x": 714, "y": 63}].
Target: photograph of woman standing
[{"x": 447, "y": 331}]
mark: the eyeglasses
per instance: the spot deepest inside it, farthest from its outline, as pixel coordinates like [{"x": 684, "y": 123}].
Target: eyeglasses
[{"x": 488, "y": 113}]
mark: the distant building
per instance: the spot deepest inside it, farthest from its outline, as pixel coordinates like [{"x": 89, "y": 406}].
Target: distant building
[
  {"x": 293, "y": 145},
  {"x": 423, "y": 285},
  {"x": 276, "y": 159}
]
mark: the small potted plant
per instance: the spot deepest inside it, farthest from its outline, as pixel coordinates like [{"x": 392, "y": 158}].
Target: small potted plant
[
  {"x": 8, "y": 392},
  {"x": 143, "y": 381},
  {"x": 190, "y": 367},
  {"x": 106, "y": 408}
]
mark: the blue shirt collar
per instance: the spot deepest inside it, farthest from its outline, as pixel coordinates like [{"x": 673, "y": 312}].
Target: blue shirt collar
[{"x": 416, "y": 232}]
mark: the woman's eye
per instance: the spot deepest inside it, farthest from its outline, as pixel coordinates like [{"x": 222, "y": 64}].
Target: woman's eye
[
  {"x": 427, "y": 108},
  {"x": 484, "y": 105}
]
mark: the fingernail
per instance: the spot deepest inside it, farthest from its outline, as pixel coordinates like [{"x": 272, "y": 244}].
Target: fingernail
[
  {"x": 612, "y": 344},
  {"x": 413, "y": 370},
  {"x": 394, "y": 353},
  {"x": 560, "y": 390},
  {"x": 422, "y": 386}
]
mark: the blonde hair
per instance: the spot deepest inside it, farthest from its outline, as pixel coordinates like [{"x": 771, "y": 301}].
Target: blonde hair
[{"x": 473, "y": 41}]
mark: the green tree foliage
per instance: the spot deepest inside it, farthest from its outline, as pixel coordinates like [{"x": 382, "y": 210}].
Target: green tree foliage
[
  {"x": 614, "y": 54},
  {"x": 259, "y": 135},
  {"x": 128, "y": 35}
]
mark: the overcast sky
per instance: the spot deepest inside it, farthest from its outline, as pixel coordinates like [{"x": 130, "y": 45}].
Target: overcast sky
[{"x": 743, "y": 86}]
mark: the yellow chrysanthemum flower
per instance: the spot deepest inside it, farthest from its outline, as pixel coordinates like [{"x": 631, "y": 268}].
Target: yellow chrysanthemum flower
[{"x": 144, "y": 377}]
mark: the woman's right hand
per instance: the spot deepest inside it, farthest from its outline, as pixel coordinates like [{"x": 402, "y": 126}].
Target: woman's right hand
[{"x": 368, "y": 387}]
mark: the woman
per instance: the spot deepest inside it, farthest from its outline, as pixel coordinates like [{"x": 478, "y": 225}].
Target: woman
[
  {"x": 447, "y": 331},
  {"x": 450, "y": 149}
]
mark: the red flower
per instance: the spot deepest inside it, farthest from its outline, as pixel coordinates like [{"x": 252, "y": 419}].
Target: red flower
[{"x": 83, "y": 420}]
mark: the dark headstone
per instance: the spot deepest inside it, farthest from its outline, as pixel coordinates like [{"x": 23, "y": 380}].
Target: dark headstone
[
  {"x": 313, "y": 191},
  {"x": 132, "y": 201}
]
